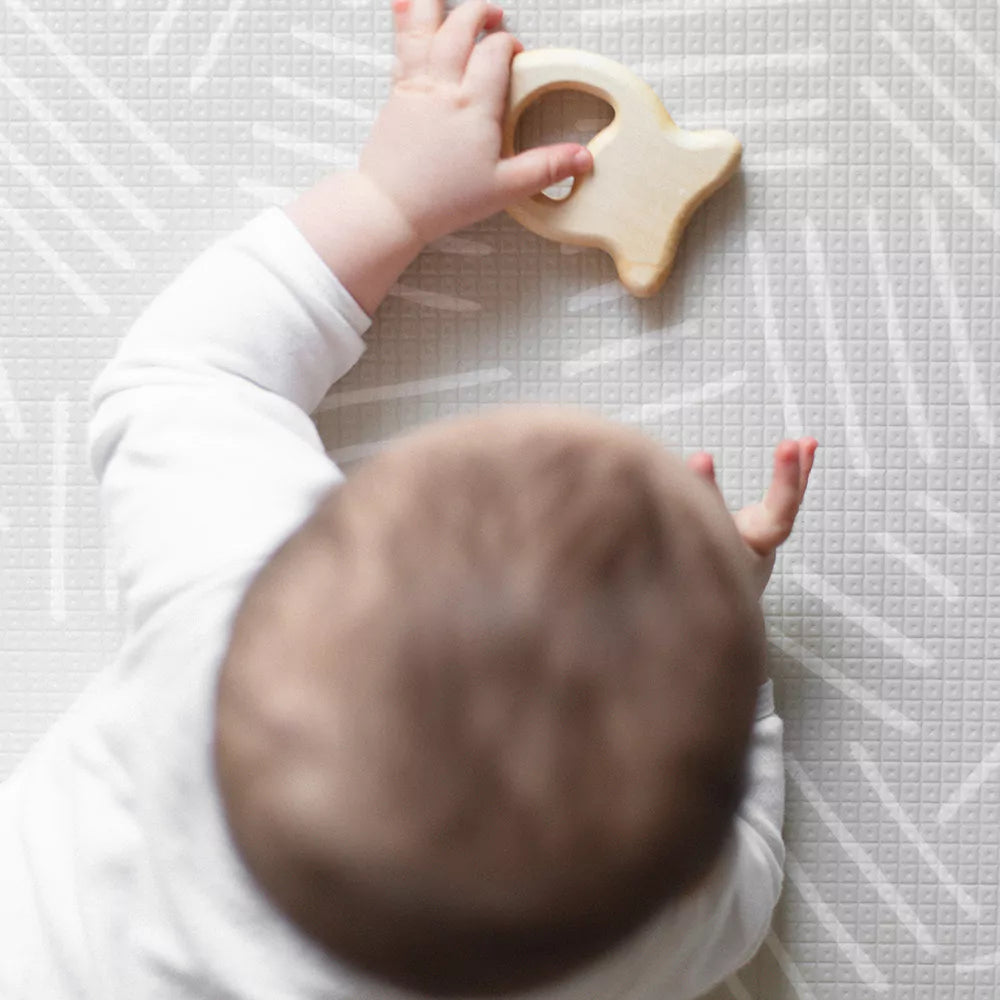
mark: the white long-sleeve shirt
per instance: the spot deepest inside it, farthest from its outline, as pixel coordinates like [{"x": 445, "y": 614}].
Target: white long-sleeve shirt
[{"x": 118, "y": 877}]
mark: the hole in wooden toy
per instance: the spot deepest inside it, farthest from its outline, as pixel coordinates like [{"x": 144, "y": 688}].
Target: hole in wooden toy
[{"x": 562, "y": 116}]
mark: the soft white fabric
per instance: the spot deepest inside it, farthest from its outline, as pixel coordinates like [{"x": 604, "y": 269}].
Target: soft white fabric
[{"x": 118, "y": 880}]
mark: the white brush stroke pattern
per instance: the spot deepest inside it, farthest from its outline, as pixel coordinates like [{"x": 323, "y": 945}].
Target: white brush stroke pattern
[
  {"x": 611, "y": 353},
  {"x": 642, "y": 412},
  {"x": 874, "y": 778},
  {"x": 104, "y": 96},
  {"x": 217, "y": 43},
  {"x": 627, "y": 348},
  {"x": 985, "y": 769},
  {"x": 876, "y": 626},
  {"x": 434, "y": 300},
  {"x": 879, "y": 881},
  {"x": 839, "y": 681},
  {"x": 420, "y": 387},
  {"x": 792, "y": 972},
  {"x": 82, "y": 221},
  {"x": 736, "y": 989},
  {"x": 346, "y": 48},
  {"x": 964, "y": 41},
  {"x": 91, "y": 299},
  {"x": 918, "y": 565},
  {"x": 143, "y": 215},
  {"x": 10, "y": 411},
  {"x": 922, "y": 71},
  {"x": 939, "y": 163},
  {"x": 820, "y": 283},
  {"x": 270, "y": 194},
  {"x": 290, "y": 142},
  {"x": 983, "y": 962},
  {"x": 597, "y": 295},
  {"x": 951, "y": 519},
  {"x": 774, "y": 344},
  {"x": 866, "y": 969},
  {"x": 958, "y": 328},
  {"x": 340, "y": 106},
  {"x": 163, "y": 27},
  {"x": 916, "y": 410}
]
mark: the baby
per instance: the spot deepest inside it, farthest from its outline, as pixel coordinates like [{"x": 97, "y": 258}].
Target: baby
[{"x": 488, "y": 717}]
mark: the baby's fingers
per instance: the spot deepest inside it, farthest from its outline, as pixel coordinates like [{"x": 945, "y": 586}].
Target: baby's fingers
[
  {"x": 422, "y": 16},
  {"x": 530, "y": 172},
  {"x": 416, "y": 23},
  {"x": 456, "y": 39},
  {"x": 703, "y": 464},
  {"x": 807, "y": 452},
  {"x": 487, "y": 75},
  {"x": 766, "y": 525},
  {"x": 785, "y": 492}
]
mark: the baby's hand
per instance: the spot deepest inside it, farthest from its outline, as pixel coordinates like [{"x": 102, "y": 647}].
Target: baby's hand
[
  {"x": 765, "y": 525},
  {"x": 435, "y": 148}
]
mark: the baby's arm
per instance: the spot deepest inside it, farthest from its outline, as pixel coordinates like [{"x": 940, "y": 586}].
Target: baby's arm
[
  {"x": 201, "y": 438},
  {"x": 736, "y": 915}
]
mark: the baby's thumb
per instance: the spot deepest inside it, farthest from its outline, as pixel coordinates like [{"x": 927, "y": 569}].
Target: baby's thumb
[{"x": 530, "y": 172}]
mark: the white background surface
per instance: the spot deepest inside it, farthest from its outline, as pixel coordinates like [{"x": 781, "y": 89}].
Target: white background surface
[{"x": 844, "y": 286}]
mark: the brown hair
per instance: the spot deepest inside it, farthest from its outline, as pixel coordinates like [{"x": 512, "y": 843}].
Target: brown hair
[{"x": 488, "y": 710}]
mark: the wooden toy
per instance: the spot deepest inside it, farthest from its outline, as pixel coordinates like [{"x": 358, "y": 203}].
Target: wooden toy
[{"x": 649, "y": 175}]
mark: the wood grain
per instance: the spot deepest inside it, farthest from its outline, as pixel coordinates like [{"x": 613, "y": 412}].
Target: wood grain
[{"x": 649, "y": 175}]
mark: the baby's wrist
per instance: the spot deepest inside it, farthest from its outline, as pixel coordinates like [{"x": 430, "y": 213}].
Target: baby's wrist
[
  {"x": 389, "y": 215},
  {"x": 360, "y": 233},
  {"x": 761, "y": 568}
]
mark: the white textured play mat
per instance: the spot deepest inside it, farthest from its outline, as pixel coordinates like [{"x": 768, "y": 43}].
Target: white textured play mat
[{"x": 843, "y": 285}]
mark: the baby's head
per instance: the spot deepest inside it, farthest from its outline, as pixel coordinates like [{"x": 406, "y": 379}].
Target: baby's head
[{"x": 488, "y": 710}]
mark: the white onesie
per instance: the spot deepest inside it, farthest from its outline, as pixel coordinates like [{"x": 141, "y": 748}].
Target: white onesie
[{"x": 118, "y": 878}]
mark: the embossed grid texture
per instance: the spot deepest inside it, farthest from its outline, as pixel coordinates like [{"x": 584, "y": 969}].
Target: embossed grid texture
[{"x": 844, "y": 285}]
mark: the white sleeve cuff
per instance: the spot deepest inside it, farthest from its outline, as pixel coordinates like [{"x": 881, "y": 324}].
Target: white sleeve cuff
[
  {"x": 765, "y": 700},
  {"x": 276, "y": 225}
]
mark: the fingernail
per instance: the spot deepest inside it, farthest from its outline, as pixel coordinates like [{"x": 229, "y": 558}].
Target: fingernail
[{"x": 582, "y": 160}]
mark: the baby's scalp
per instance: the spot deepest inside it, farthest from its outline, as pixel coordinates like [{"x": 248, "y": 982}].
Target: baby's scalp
[{"x": 488, "y": 709}]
